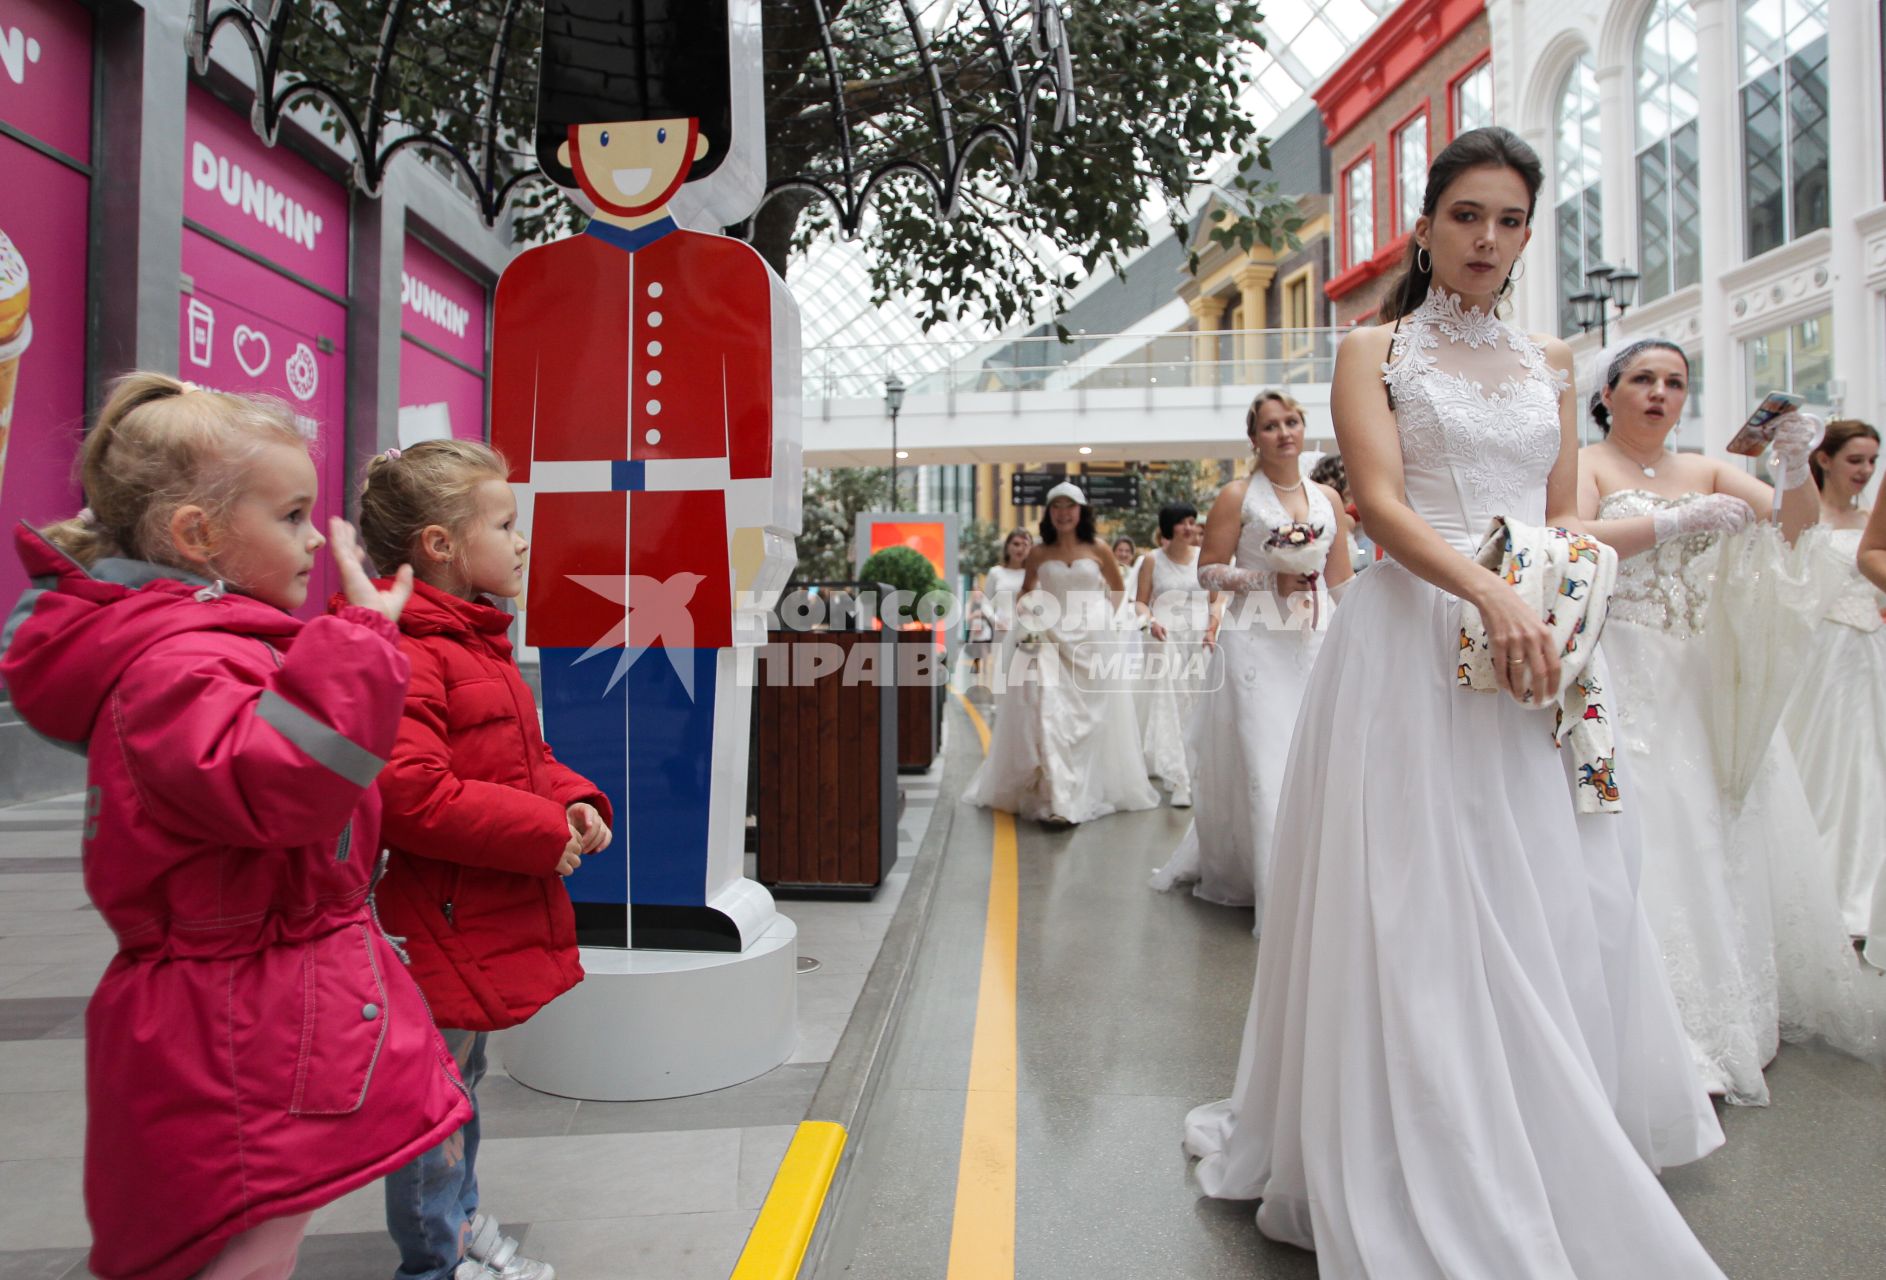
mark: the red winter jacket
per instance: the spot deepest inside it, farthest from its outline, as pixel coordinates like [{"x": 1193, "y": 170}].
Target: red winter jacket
[
  {"x": 255, "y": 1049},
  {"x": 475, "y": 816}
]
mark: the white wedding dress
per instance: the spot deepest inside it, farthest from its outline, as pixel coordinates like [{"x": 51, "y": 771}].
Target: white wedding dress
[
  {"x": 1175, "y": 670},
  {"x": 1837, "y": 726},
  {"x": 1462, "y": 1061},
  {"x": 1065, "y": 747},
  {"x": 1241, "y": 734},
  {"x": 1742, "y": 902}
]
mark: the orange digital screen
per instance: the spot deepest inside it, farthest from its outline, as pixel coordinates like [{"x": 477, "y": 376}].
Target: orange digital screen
[{"x": 925, "y": 537}]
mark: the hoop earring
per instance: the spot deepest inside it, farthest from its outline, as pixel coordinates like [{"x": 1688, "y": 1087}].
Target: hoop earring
[
  {"x": 1519, "y": 270},
  {"x": 1427, "y": 269}
]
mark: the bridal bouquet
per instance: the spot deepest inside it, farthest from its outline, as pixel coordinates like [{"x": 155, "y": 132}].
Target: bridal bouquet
[{"x": 1294, "y": 548}]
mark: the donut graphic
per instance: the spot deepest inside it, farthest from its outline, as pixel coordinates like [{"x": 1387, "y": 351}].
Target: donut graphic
[{"x": 303, "y": 374}]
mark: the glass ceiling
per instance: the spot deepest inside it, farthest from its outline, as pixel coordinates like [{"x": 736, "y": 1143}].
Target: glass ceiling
[{"x": 845, "y": 336}]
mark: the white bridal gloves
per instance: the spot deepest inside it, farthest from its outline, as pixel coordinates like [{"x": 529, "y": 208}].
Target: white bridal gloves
[{"x": 1712, "y": 513}]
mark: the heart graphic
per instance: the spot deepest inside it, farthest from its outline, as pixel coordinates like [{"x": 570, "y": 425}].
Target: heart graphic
[{"x": 252, "y": 350}]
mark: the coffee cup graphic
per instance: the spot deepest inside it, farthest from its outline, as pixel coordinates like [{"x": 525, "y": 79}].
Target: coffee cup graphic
[{"x": 16, "y": 334}]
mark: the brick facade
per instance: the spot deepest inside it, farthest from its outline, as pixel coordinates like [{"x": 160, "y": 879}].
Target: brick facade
[{"x": 1407, "y": 67}]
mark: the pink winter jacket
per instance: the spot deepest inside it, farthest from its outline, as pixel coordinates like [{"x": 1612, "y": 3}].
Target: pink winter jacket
[{"x": 255, "y": 1048}]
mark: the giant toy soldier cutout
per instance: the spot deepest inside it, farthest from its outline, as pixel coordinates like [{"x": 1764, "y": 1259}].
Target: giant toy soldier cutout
[{"x": 645, "y": 387}]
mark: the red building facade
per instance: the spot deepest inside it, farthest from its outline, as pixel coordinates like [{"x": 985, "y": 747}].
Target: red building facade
[{"x": 1422, "y": 76}]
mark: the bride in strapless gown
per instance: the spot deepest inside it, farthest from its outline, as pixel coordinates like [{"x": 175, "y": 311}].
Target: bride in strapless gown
[
  {"x": 1066, "y": 746},
  {"x": 1740, "y": 895}
]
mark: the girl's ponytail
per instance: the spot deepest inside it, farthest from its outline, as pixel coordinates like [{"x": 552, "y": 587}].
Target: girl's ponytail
[{"x": 160, "y": 444}]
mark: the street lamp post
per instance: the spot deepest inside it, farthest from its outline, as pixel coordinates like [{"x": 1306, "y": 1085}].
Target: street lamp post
[
  {"x": 1610, "y": 287},
  {"x": 894, "y": 401}
]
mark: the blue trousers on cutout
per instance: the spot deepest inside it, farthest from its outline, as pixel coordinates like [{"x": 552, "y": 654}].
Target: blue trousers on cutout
[{"x": 650, "y": 747}]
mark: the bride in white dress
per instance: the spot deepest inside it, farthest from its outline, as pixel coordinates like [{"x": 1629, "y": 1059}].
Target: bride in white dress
[
  {"x": 1065, "y": 747},
  {"x": 1462, "y": 1061},
  {"x": 1742, "y": 903},
  {"x": 1176, "y": 645},
  {"x": 1267, "y": 642},
  {"x": 1837, "y": 720}
]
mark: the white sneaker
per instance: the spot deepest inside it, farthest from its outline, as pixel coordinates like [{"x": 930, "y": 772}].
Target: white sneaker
[{"x": 492, "y": 1255}]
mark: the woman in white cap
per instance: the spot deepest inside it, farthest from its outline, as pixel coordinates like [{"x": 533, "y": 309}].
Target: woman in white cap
[
  {"x": 1267, "y": 641},
  {"x": 1066, "y": 744}
]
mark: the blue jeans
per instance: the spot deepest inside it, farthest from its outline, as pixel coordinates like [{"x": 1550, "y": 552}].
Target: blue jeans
[{"x": 431, "y": 1201}]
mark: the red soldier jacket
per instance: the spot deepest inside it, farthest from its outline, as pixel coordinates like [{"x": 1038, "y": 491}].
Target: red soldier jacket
[{"x": 639, "y": 366}]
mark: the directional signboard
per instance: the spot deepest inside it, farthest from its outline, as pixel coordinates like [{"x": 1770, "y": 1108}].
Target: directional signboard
[{"x": 1104, "y": 492}]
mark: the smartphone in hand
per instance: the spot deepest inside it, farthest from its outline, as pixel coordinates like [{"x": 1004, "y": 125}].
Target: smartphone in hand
[{"x": 1755, "y": 435}]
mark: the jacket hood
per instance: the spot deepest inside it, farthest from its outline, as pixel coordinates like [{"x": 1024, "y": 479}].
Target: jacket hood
[
  {"x": 432, "y": 612},
  {"x": 75, "y": 631}
]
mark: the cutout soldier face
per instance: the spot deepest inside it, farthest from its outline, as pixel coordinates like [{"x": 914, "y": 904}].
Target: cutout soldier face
[{"x": 633, "y": 167}]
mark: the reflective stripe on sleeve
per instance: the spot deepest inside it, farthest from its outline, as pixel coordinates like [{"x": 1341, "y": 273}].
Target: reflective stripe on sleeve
[{"x": 325, "y": 746}]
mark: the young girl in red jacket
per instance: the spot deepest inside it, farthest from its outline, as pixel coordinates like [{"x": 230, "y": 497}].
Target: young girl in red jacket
[
  {"x": 481, "y": 819},
  {"x": 255, "y": 1049}
]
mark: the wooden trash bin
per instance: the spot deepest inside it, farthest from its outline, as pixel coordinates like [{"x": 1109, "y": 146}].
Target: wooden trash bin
[
  {"x": 921, "y": 687},
  {"x": 826, "y": 759}
]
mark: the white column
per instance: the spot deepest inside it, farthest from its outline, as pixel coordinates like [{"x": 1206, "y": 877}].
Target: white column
[
  {"x": 1536, "y": 294},
  {"x": 1854, "y": 146},
  {"x": 1617, "y": 108},
  {"x": 1719, "y": 181}
]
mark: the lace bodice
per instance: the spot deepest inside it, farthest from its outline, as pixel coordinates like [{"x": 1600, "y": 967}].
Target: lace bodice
[
  {"x": 1667, "y": 587},
  {"x": 1478, "y": 410},
  {"x": 1263, "y": 511},
  {"x": 1858, "y": 604}
]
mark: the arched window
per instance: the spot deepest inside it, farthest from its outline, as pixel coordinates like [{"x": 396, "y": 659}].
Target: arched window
[
  {"x": 1578, "y": 155},
  {"x": 1669, "y": 232},
  {"x": 1784, "y": 120}
]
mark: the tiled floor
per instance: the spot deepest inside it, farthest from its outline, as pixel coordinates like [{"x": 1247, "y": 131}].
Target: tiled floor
[{"x": 665, "y": 1189}]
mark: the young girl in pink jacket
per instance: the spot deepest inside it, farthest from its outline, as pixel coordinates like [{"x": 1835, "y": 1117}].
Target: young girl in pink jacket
[{"x": 256, "y": 1048}]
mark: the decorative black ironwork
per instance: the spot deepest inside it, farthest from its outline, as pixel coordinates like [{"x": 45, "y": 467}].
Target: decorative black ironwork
[{"x": 858, "y": 92}]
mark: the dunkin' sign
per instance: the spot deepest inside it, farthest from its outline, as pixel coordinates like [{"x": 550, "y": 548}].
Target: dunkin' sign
[
  {"x": 252, "y": 194},
  {"x": 267, "y": 199},
  {"x": 423, "y": 300}
]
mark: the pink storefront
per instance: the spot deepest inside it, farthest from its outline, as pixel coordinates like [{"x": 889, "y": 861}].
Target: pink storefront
[
  {"x": 46, "y": 155},
  {"x": 264, "y": 302},
  {"x": 443, "y": 321}
]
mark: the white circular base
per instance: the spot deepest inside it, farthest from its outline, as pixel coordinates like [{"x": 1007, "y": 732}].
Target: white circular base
[{"x": 663, "y": 1024}]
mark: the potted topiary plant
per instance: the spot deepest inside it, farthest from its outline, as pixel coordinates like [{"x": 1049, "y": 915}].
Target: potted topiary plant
[{"x": 904, "y": 570}]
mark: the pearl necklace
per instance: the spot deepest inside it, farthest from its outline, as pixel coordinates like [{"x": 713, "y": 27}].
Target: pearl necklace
[{"x": 1280, "y": 488}]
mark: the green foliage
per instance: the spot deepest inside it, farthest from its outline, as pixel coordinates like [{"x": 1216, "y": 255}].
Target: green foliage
[
  {"x": 1160, "y": 101},
  {"x": 1189, "y": 481},
  {"x": 1159, "y": 88},
  {"x": 979, "y": 546},
  {"x": 1253, "y": 212},
  {"x": 833, "y": 498},
  {"x": 902, "y": 569}
]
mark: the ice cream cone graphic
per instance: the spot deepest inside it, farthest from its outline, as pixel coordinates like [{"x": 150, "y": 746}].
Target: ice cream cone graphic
[{"x": 16, "y": 331}]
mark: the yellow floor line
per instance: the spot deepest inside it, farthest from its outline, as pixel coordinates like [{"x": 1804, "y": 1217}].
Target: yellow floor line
[
  {"x": 777, "y": 1244},
  {"x": 982, "y": 1235}
]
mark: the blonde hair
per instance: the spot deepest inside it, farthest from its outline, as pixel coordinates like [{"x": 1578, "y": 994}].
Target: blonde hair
[
  {"x": 160, "y": 445},
  {"x": 1273, "y": 394},
  {"x": 408, "y": 490}
]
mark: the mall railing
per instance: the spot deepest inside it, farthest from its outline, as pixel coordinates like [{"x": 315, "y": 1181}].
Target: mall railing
[{"x": 1086, "y": 362}]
